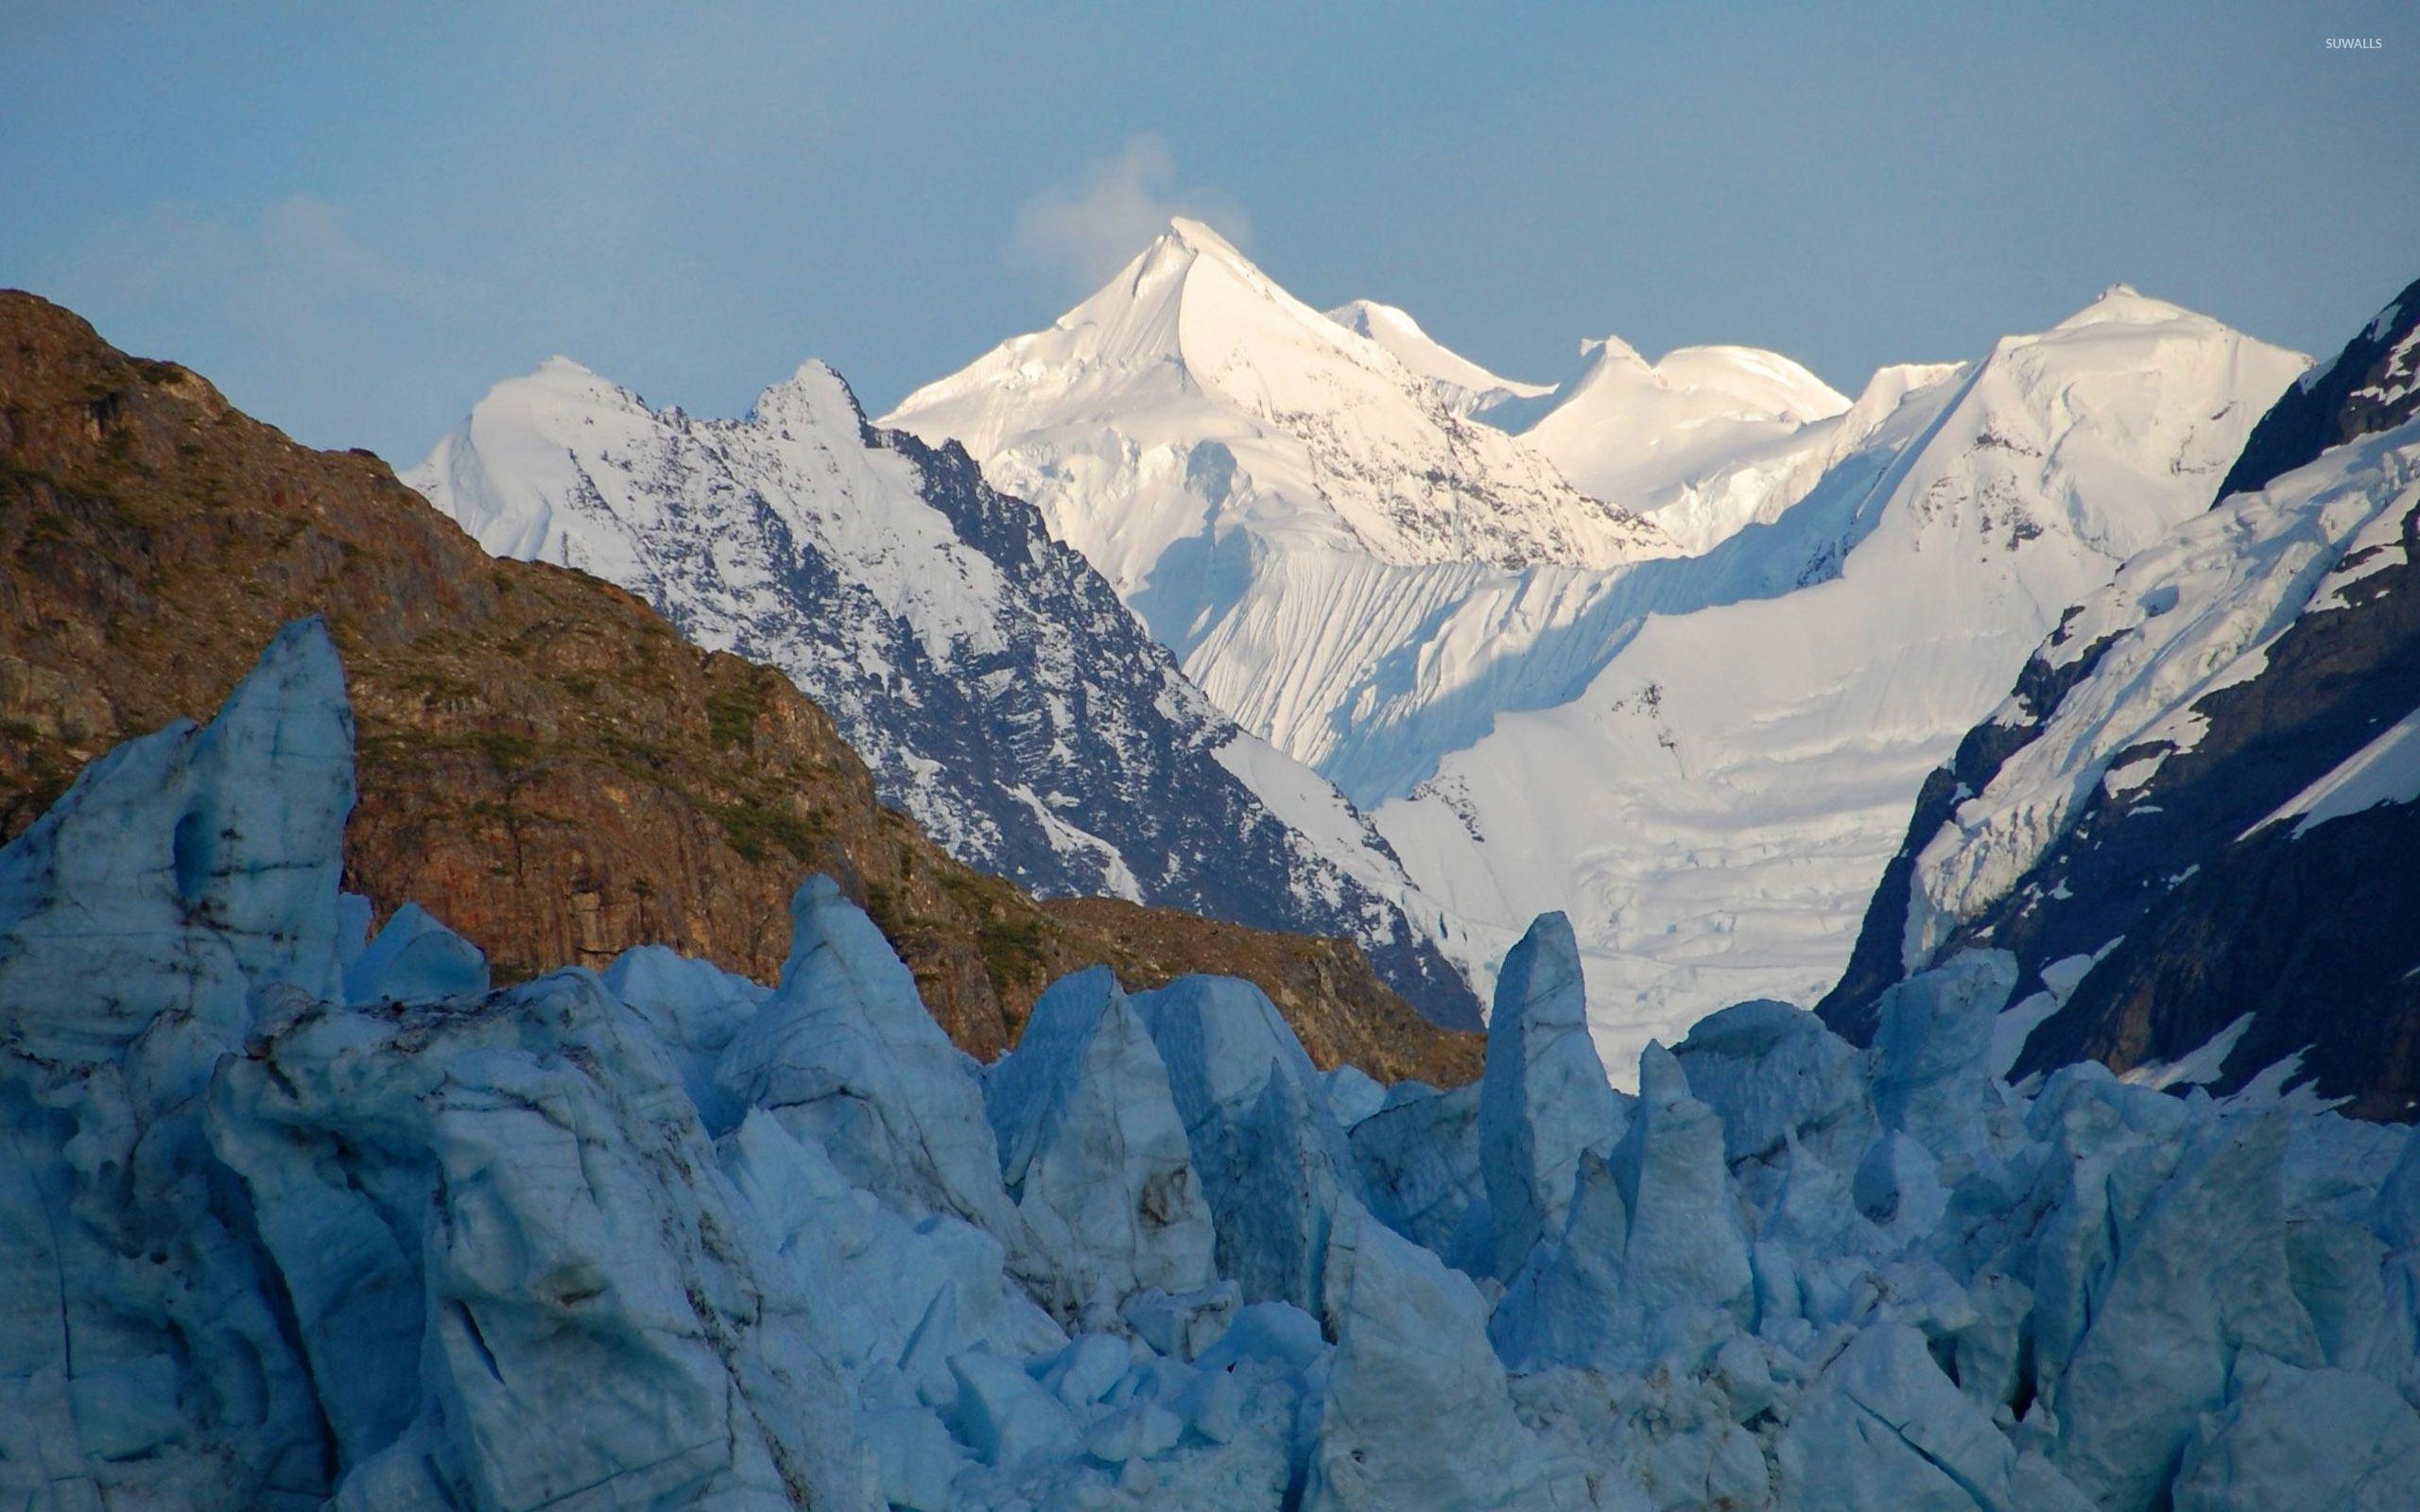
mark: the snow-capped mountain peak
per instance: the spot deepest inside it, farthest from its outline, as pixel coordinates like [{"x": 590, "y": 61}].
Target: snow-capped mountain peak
[
  {"x": 1752, "y": 724},
  {"x": 2124, "y": 304},
  {"x": 814, "y": 396},
  {"x": 1864, "y": 580},
  {"x": 2121, "y": 822},
  {"x": 1744, "y": 383},
  {"x": 1191, "y": 399}
]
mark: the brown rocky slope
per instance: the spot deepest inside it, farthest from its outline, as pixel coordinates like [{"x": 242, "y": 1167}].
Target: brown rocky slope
[{"x": 544, "y": 761}]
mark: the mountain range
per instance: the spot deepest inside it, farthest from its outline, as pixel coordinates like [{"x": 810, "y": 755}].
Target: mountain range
[
  {"x": 1699, "y": 732},
  {"x": 511, "y": 1055},
  {"x": 993, "y": 681},
  {"x": 1207, "y": 600}
]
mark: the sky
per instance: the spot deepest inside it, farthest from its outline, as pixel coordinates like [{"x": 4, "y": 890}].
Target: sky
[{"x": 355, "y": 219}]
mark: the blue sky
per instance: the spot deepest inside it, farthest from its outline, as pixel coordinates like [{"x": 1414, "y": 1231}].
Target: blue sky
[{"x": 355, "y": 217}]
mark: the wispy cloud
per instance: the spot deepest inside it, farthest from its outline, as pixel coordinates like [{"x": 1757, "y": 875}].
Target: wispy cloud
[
  {"x": 1084, "y": 231},
  {"x": 311, "y": 234},
  {"x": 284, "y": 269}
]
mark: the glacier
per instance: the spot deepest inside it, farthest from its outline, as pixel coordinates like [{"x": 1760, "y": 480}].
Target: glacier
[{"x": 300, "y": 1219}]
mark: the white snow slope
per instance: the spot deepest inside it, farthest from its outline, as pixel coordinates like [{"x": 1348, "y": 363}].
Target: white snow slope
[
  {"x": 1707, "y": 759},
  {"x": 1191, "y": 398},
  {"x": 1749, "y": 765},
  {"x": 1281, "y": 501}
]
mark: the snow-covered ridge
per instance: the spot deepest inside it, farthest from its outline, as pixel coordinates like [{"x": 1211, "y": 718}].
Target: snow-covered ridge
[
  {"x": 2193, "y": 614},
  {"x": 2189, "y": 822},
  {"x": 1466, "y": 388},
  {"x": 1703, "y": 441},
  {"x": 2372, "y": 386},
  {"x": 1751, "y": 754},
  {"x": 305, "y": 1219},
  {"x": 1751, "y": 725},
  {"x": 989, "y": 677}
]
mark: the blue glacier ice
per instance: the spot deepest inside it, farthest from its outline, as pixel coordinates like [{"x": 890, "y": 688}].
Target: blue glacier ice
[{"x": 296, "y": 1219}]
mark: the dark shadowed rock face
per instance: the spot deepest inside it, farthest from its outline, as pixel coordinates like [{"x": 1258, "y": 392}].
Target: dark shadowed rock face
[
  {"x": 2316, "y": 937},
  {"x": 2207, "y": 892},
  {"x": 544, "y": 760},
  {"x": 2373, "y": 386}
]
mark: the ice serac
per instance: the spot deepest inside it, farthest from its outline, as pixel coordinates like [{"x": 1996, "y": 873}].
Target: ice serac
[
  {"x": 1933, "y": 1077},
  {"x": 1652, "y": 1259},
  {"x": 1779, "y": 1079},
  {"x": 272, "y": 1249},
  {"x": 416, "y": 959},
  {"x": 844, "y": 1053},
  {"x": 1883, "y": 1427},
  {"x": 1269, "y": 1158},
  {"x": 185, "y": 866},
  {"x": 695, "y": 1007},
  {"x": 185, "y": 876},
  {"x": 1094, "y": 1151},
  {"x": 988, "y": 675},
  {"x": 516, "y": 1196},
  {"x": 1544, "y": 1099},
  {"x": 2199, "y": 764},
  {"x": 1569, "y": 1304},
  {"x": 2295, "y": 1440},
  {"x": 893, "y": 1299},
  {"x": 1419, "y": 1161},
  {"x": 1686, "y": 1252},
  {"x": 1416, "y": 1411},
  {"x": 2202, "y": 1278}
]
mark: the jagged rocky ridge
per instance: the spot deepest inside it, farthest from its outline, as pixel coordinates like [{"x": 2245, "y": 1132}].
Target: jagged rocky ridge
[
  {"x": 2372, "y": 386},
  {"x": 1001, "y": 692},
  {"x": 300, "y": 1220},
  {"x": 2193, "y": 821}
]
